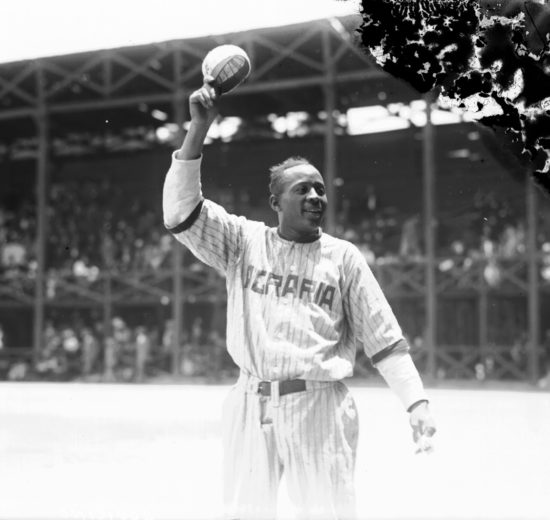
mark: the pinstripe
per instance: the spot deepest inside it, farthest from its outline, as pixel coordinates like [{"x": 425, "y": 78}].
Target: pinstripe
[
  {"x": 320, "y": 435},
  {"x": 299, "y": 340},
  {"x": 336, "y": 470},
  {"x": 304, "y": 472}
]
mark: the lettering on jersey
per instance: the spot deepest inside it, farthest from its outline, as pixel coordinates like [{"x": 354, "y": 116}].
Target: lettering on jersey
[
  {"x": 257, "y": 285},
  {"x": 261, "y": 281},
  {"x": 276, "y": 281},
  {"x": 306, "y": 288},
  {"x": 248, "y": 276},
  {"x": 328, "y": 296},
  {"x": 291, "y": 285}
]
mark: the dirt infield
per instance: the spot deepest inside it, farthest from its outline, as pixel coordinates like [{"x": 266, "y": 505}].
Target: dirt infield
[{"x": 90, "y": 451}]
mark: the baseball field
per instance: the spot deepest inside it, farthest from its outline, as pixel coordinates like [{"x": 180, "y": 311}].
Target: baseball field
[{"x": 97, "y": 451}]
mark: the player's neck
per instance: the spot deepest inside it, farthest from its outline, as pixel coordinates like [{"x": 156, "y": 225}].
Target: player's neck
[{"x": 302, "y": 238}]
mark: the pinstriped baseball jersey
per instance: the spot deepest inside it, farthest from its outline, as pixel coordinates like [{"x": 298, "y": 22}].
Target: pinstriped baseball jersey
[{"x": 295, "y": 310}]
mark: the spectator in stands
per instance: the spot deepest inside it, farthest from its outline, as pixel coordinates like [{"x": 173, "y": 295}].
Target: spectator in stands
[
  {"x": 165, "y": 245},
  {"x": 52, "y": 280},
  {"x": 84, "y": 271},
  {"x": 187, "y": 359},
  {"x": 110, "y": 359},
  {"x": 125, "y": 348},
  {"x": 492, "y": 272},
  {"x": 214, "y": 353},
  {"x": 154, "y": 254},
  {"x": 142, "y": 353},
  {"x": 107, "y": 260},
  {"x": 409, "y": 246},
  {"x": 166, "y": 347},
  {"x": 545, "y": 267},
  {"x": 197, "y": 331},
  {"x": 3, "y": 224},
  {"x": 138, "y": 255},
  {"x": 367, "y": 252},
  {"x": 14, "y": 255},
  {"x": 19, "y": 371},
  {"x": 518, "y": 352},
  {"x": 197, "y": 351},
  {"x": 544, "y": 380},
  {"x": 512, "y": 241},
  {"x": 71, "y": 351},
  {"x": 124, "y": 239},
  {"x": 90, "y": 352},
  {"x": 121, "y": 332},
  {"x": 51, "y": 361}
]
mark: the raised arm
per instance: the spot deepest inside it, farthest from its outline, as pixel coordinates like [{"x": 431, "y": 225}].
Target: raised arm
[
  {"x": 203, "y": 108},
  {"x": 204, "y": 227},
  {"x": 182, "y": 188}
]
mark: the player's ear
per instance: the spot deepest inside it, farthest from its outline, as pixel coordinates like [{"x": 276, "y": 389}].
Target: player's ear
[{"x": 274, "y": 202}]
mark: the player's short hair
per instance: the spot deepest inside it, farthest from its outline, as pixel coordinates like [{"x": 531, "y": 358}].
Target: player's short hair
[{"x": 277, "y": 170}]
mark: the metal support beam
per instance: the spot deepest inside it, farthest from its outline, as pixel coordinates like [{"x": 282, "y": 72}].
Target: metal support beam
[
  {"x": 180, "y": 112},
  {"x": 18, "y": 113},
  {"x": 483, "y": 312},
  {"x": 177, "y": 259},
  {"x": 533, "y": 280},
  {"x": 248, "y": 88},
  {"x": 428, "y": 167},
  {"x": 330, "y": 134},
  {"x": 43, "y": 131},
  {"x": 108, "y": 303}
]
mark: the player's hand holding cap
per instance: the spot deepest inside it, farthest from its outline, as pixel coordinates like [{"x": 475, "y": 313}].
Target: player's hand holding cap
[
  {"x": 423, "y": 426},
  {"x": 203, "y": 103}
]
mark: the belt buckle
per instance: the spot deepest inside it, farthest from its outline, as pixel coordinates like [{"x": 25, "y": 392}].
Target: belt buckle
[{"x": 264, "y": 388}]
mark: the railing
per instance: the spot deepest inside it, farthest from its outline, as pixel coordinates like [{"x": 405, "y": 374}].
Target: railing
[
  {"x": 398, "y": 278},
  {"x": 121, "y": 288},
  {"x": 476, "y": 300}
]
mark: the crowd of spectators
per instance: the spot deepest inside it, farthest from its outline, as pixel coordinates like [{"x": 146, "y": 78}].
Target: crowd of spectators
[
  {"x": 491, "y": 231},
  {"x": 138, "y": 354},
  {"x": 84, "y": 352},
  {"x": 93, "y": 225},
  {"x": 90, "y": 226},
  {"x": 96, "y": 225}
]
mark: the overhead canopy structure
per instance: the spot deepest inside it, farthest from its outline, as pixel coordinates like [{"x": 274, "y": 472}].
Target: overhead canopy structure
[{"x": 290, "y": 68}]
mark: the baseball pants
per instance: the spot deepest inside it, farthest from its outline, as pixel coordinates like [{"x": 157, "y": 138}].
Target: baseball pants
[{"x": 310, "y": 435}]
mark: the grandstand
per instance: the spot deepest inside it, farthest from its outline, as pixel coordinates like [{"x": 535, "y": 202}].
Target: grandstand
[{"x": 90, "y": 282}]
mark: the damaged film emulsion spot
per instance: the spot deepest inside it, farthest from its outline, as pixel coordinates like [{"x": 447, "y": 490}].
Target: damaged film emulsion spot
[{"x": 489, "y": 58}]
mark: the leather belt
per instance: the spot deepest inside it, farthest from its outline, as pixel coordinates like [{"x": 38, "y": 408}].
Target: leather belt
[{"x": 285, "y": 387}]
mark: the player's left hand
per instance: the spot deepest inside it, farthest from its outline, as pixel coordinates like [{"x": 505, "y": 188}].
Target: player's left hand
[{"x": 423, "y": 426}]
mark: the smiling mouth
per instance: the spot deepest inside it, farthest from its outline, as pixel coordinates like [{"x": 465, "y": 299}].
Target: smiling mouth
[{"x": 316, "y": 212}]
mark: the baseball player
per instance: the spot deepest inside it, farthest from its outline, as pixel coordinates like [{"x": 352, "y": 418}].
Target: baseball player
[{"x": 299, "y": 302}]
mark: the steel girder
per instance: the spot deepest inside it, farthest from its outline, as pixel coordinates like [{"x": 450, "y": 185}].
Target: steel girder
[{"x": 283, "y": 58}]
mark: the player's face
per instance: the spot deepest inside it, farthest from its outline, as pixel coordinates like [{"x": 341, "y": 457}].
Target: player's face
[{"x": 302, "y": 203}]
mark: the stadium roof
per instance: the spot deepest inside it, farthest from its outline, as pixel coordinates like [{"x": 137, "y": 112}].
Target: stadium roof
[
  {"x": 33, "y": 28},
  {"x": 292, "y": 68}
]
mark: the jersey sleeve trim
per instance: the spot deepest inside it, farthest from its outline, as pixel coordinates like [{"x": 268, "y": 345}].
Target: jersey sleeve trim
[
  {"x": 188, "y": 222},
  {"x": 398, "y": 346},
  {"x": 417, "y": 403}
]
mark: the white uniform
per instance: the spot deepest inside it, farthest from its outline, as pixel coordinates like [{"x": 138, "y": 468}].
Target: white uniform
[{"x": 294, "y": 311}]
